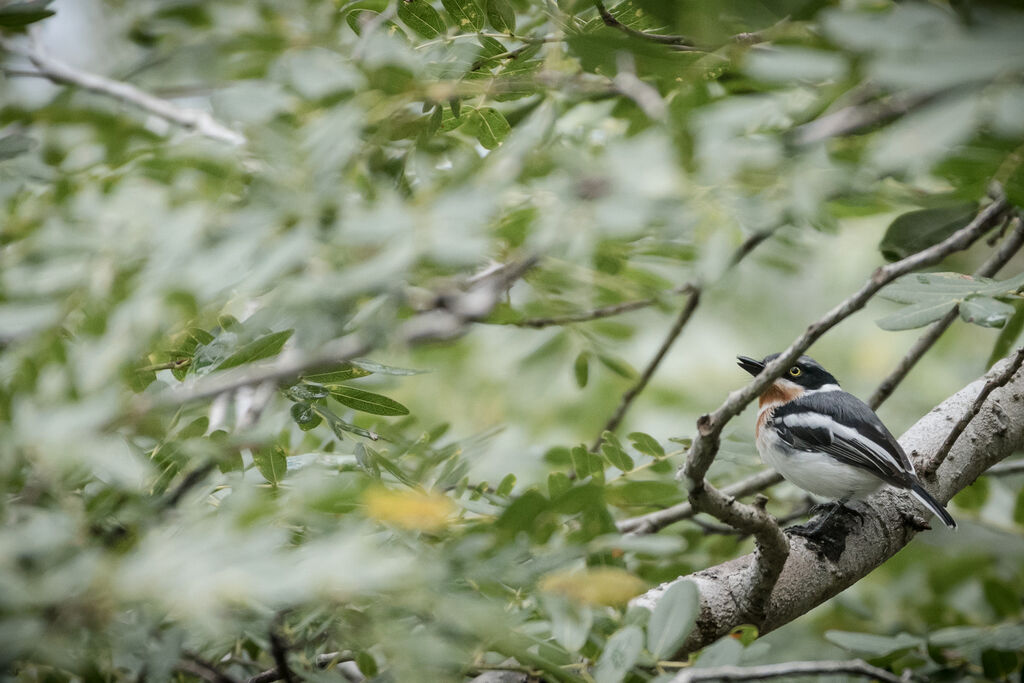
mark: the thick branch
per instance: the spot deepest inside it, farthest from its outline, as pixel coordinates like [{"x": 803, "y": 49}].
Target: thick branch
[
  {"x": 856, "y": 667},
  {"x": 891, "y": 518},
  {"x": 60, "y": 72},
  {"x": 1010, "y": 246}
]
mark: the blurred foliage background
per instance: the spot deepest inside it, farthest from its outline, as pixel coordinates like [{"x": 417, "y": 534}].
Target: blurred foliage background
[{"x": 411, "y": 513}]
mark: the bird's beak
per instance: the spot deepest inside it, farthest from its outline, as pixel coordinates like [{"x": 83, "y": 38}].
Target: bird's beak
[{"x": 754, "y": 367}]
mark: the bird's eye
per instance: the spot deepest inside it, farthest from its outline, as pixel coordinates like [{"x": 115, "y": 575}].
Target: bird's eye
[{"x": 795, "y": 371}]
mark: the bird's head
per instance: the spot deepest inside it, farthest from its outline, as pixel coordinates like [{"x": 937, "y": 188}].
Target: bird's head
[{"x": 806, "y": 373}]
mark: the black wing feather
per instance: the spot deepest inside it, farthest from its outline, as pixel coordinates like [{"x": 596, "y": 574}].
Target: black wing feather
[{"x": 850, "y": 411}]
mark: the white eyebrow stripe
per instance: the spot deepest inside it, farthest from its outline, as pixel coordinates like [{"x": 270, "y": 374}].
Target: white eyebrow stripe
[{"x": 825, "y": 387}]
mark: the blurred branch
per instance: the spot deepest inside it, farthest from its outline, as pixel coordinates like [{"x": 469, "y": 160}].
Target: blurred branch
[
  {"x": 644, "y": 95},
  {"x": 772, "y": 546},
  {"x": 598, "y": 313},
  {"x": 1010, "y": 246},
  {"x": 858, "y": 117},
  {"x": 855, "y": 667},
  {"x": 322, "y": 662},
  {"x": 279, "y": 650},
  {"x": 627, "y": 398},
  {"x": 59, "y": 72},
  {"x": 889, "y": 520},
  {"x": 994, "y": 382},
  {"x": 450, "y": 318},
  {"x": 199, "y": 667},
  {"x": 1005, "y": 469},
  {"x": 679, "y": 42}
]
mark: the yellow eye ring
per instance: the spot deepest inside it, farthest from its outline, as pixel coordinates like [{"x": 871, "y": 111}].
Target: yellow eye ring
[{"x": 795, "y": 371}]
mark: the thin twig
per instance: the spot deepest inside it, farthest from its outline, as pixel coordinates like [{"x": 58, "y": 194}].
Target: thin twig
[
  {"x": 681, "y": 42},
  {"x": 627, "y": 398},
  {"x": 991, "y": 385},
  {"x": 656, "y": 521},
  {"x": 1010, "y": 246},
  {"x": 855, "y": 667},
  {"x": 60, "y": 72},
  {"x": 859, "y": 117},
  {"x": 1006, "y": 469},
  {"x": 598, "y": 313}
]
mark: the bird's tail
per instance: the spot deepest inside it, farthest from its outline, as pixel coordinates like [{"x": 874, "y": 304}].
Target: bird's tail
[{"x": 932, "y": 504}]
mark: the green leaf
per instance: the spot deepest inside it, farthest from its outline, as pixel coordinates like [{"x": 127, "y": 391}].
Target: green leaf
[
  {"x": 587, "y": 464},
  {"x": 871, "y": 644},
  {"x": 521, "y": 513},
  {"x": 648, "y": 492},
  {"x": 620, "y": 654},
  {"x": 272, "y": 463},
  {"x": 421, "y": 18},
  {"x": 917, "y": 315},
  {"x": 974, "y": 496},
  {"x": 488, "y": 126},
  {"x": 264, "y": 347},
  {"x": 466, "y": 13},
  {"x": 985, "y": 311},
  {"x": 612, "y": 449},
  {"x": 506, "y": 485},
  {"x": 367, "y": 402},
  {"x": 367, "y": 664},
  {"x": 1018, "y": 509},
  {"x": 305, "y": 416},
  {"x": 618, "y": 366},
  {"x": 1008, "y": 335},
  {"x": 18, "y": 14},
  {"x": 917, "y": 230},
  {"x": 673, "y": 619},
  {"x": 501, "y": 16},
  {"x": 581, "y": 369},
  {"x": 15, "y": 144},
  {"x": 558, "y": 483},
  {"x": 342, "y": 374},
  {"x": 379, "y": 368},
  {"x": 920, "y": 288},
  {"x": 646, "y": 444},
  {"x": 570, "y": 622}
]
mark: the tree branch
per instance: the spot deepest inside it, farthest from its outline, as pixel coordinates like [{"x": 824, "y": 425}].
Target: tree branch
[
  {"x": 1010, "y": 246},
  {"x": 60, "y": 72},
  {"x": 680, "y": 42},
  {"x": 891, "y": 518},
  {"x": 855, "y": 667},
  {"x": 858, "y": 117},
  {"x": 994, "y": 382},
  {"x": 1006, "y": 469},
  {"x": 627, "y": 398},
  {"x": 598, "y": 313}
]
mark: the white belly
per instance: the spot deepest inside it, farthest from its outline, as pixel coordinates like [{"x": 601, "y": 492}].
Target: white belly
[{"x": 815, "y": 472}]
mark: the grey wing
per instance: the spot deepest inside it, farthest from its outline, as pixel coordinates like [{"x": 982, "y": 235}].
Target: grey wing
[{"x": 847, "y": 429}]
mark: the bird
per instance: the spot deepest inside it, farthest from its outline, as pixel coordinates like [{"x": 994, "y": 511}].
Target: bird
[{"x": 829, "y": 442}]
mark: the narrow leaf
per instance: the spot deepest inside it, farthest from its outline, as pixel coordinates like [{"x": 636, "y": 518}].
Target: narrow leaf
[
  {"x": 916, "y": 230},
  {"x": 612, "y": 449},
  {"x": 620, "y": 654},
  {"x": 264, "y": 347},
  {"x": 501, "y": 16},
  {"x": 917, "y": 315},
  {"x": 985, "y": 311},
  {"x": 421, "y": 17},
  {"x": 488, "y": 126},
  {"x": 581, "y": 369},
  {"x": 272, "y": 463},
  {"x": 466, "y": 13},
  {"x": 370, "y": 367},
  {"x": 367, "y": 402},
  {"x": 647, "y": 444},
  {"x": 673, "y": 619},
  {"x": 342, "y": 374}
]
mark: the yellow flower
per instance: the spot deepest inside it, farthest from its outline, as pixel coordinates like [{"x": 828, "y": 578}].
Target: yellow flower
[
  {"x": 594, "y": 585},
  {"x": 419, "y": 510}
]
